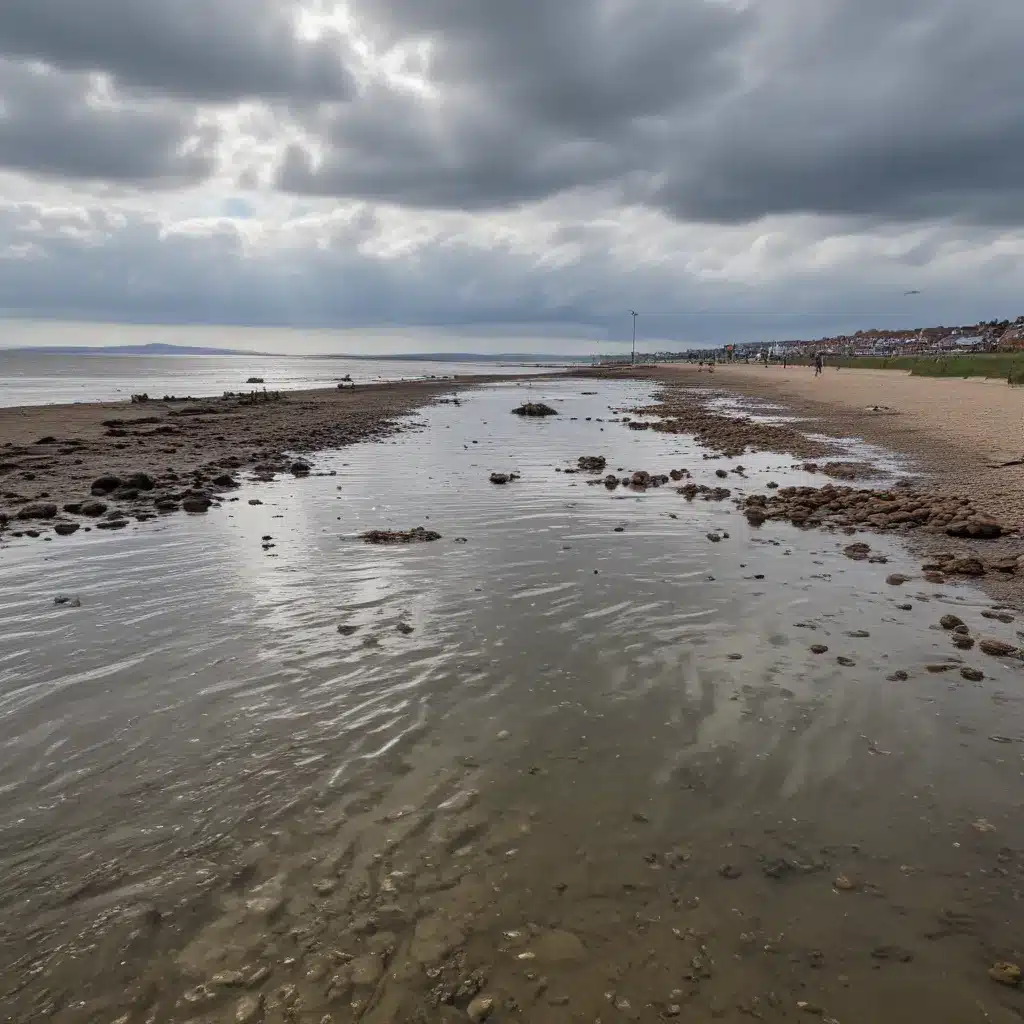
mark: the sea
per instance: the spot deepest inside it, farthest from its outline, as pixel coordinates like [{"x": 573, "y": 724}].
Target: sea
[{"x": 40, "y": 378}]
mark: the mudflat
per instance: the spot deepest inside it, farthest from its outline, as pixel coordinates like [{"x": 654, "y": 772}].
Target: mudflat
[{"x": 154, "y": 456}]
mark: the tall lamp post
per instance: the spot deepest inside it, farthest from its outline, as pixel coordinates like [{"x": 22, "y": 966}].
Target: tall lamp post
[{"x": 634, "y": 314}]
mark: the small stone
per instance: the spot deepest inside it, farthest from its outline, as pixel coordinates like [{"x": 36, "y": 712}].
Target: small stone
[
  {"x": 983, "y": 825},
  {"x": 846, "y": 662},
  {"x": 258, "y": 976},
  {"x": 65, "y": 529},
  {"x": 460, "y": 801},
  {"x": 843, "y": 884},
  {"x": 228, "y": 979},
  {"x": 996, "y": 648},
  {"x": 735, "y": 657},
  {"x": 63, "y": 601},
  {"x": 896, "y": 579},
  {"x": 950, "y": 622},
  {"x": 819, "y": 649},
  {"x": 480, "y": 1009},
  {"x": 972, "y": 675},
  {"x": 324, "y": 886},
  {"x": 404, "y": 628},
  {"x": 905, "y": 607},
  {"x": 730, "y": 871},
  {"x": 248, "y": 1009},
  {"x": 1005, "y": 974},
  {"x": 899, "y": 676}
]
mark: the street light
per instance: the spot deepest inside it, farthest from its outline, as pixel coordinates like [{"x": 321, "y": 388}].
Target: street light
[{"x": 634, "y": 314}]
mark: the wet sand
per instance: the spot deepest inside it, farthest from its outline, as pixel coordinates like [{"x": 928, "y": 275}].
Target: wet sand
[
  {"x": 574, "y": 760},
  {"x": 51, "y": 456}
]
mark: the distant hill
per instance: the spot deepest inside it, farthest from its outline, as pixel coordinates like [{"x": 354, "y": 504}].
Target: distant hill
[
  {"x": 162, "y": 349},
  {"x": 153, "y": 349}
]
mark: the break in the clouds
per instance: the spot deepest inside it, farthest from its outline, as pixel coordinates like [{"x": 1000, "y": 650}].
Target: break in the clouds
[{"x": 447, "y": 162}]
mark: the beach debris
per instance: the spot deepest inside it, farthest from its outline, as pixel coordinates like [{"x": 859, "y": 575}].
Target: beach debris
[
  {"x": 535, "y": 409},
  {"x": 417, "y": 535},
  {"x": 1005, "y": 974}
]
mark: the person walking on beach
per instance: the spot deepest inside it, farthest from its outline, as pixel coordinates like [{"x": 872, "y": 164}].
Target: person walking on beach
[{"x": 818, "y": 363}]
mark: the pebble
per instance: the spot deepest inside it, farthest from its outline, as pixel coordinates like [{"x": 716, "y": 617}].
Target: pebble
[
  {"x": 896, "y": 579},
  {"x": 819, "y": 649},
  {"x": 950, "y": 622},
  {"x": 972, "y": 675},
  {"x": 846, "y": 662},
  {"x": 843, "y": 884},
  {"x": 1005, "y": 974},
  {"x": 248, "y": 1009},
  {"x": 480, "y": 1009}
]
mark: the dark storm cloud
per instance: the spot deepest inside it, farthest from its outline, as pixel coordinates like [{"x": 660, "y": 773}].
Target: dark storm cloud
[
  {"x": 535, "y": 98},
  {"x": 48, "y": 127},
  {"x": 899, "y": 109},
  {"x": 205, "y": 50}
]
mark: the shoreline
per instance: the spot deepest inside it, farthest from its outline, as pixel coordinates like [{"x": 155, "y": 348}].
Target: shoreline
[
  {"x": 69, "y": 467},
  {"x": 958, "y": 433}
]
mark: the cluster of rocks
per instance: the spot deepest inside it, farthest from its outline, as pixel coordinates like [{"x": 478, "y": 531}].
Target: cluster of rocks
[
  {"x": 417, "y": 535},
  {"x": 843, "y": 470},
  {"x": 535, "y": 409},
  {"x": 682, "y": 411},
  {"x": 504, "y": 478},
  {"x": 960, "y": 635},
  {"x": 117, "y": 499},
  {"x": 690, "y": 491},
  {"x": 898, "y": 508}
]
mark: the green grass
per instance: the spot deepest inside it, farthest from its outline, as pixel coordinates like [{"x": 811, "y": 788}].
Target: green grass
[{"x": 1008, "y": 366}]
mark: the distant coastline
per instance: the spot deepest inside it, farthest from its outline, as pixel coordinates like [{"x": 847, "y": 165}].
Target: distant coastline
[{"x": 164, "y": 349}]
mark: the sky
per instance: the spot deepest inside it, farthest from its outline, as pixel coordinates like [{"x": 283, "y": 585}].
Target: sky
[{"x": 731, "y": 169}]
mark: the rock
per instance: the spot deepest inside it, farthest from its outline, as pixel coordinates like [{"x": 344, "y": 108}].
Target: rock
[
  {"x": 255, "y": 501},
  {"x": 715, "y": 538},
  {"x": 139, "y": 482},
  {"x": 73, "y": 507},
  {"x": 227, "y": 979},
  {"x": 418, "y": 535},
  {"x": 997, "y": 615},
  {"x": 896, "y": 579},
  {"x": 592, "y": 463},
  {"x": 964, "y": 567},
  {"x": 899, "y": 676},
  {"x": 225, "y": 480},
  {"x": 63, "y": 601},
  {"x": 257, "y": 977},
  {"x": 846, "y": 662},
  {"x": 480, "y": 1009},
  {"x": 721, "y": 473},
  {"x": 404, "y": 628},
  {"x": 950, "y": 621},
  {"x": 346, "y": 630},
  {"x": 460, "y": 801},
  {"x": 730, "y": 871},
  {"x": 905, "y": 607},
  {"x": 963, "y": 641},
  {"x": 94, "y": 508},
  {"x": 535, "y": 409},
  {"x": 65, "y": 529},
  {"x": 105, "y": 484},
  {"x": 500, "y": 478},
  {"x": 1005, "y": 974},
  {"x": 195, "y": 504},
  {"x": 819, "y": 649},
  {"x": 300, "y": 468},
  {"x": 248, "y": 1009},
  {"x": 997, "y": 648},
  {"x": 858, "y": 634},
  {"x": 843, "y": 884},
  {"x": 38, "y": 510},
  {"x": 977, "y": 526}
]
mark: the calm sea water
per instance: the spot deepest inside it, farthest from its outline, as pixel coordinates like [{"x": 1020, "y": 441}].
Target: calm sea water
[
  {"x": 574, "y": 751},
  {"x": 31, "y": 378}
]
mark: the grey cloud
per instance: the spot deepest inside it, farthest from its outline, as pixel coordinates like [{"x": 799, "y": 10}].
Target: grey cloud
[
  {"x": 894, "y": 109},
  {"x": 48, "y": 127},
  {"x": 205, "y": 50},
  {"x": 536, "y": 98}
]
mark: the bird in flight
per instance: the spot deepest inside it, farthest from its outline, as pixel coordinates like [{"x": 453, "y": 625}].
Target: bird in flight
[{"x": 913, "y": 291}]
